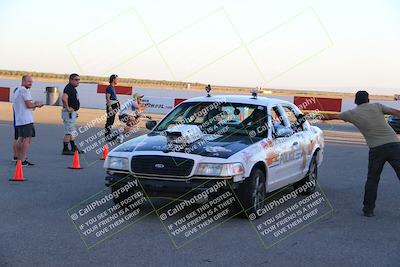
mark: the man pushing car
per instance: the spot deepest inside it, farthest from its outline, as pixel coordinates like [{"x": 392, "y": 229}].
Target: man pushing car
[{"x": 383, "y": 142}]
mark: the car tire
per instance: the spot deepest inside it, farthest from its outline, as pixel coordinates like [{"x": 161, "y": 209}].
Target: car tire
[
  {"x": 312, "y": 176},
  {"x": 252, "y": 191}
]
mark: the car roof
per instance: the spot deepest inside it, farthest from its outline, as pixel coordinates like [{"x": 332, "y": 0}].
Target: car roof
[{"x": 242, "y": 99}]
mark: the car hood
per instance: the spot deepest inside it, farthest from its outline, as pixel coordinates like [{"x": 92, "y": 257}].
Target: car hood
[{"x": 220, "y": 146}]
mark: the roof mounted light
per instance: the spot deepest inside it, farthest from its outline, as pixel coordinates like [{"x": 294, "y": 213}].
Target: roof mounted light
[{"x": 208, "y": 90}]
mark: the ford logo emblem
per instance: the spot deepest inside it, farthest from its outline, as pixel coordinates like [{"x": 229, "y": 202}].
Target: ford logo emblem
[{"x": 159, "y": 166}]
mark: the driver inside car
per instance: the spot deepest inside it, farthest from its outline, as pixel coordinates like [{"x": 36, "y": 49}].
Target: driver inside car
[{"x": 255, "y": 119}]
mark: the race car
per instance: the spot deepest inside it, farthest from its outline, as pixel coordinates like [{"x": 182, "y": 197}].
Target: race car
[{"x": 255, "y": 145}]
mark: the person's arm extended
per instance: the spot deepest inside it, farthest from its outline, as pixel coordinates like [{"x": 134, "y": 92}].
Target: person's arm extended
[
  {"x": 326, "y": 117},
  {"x": 393, "y": 111},
  {"x": 65, "y": 102}
]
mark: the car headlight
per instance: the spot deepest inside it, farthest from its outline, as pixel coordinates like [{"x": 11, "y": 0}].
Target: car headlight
[
  {"x": 117, "y": 163},
  {"x": 215, "y": 169}
]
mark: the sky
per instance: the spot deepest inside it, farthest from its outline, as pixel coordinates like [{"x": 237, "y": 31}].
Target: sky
[{"x": 330, "y": 45}]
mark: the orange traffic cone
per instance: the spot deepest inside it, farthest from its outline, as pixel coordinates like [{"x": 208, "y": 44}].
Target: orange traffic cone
[
  {"x": 75, "y": 161},
  {"x": 19, "y": 174},
  {"x": 105, "y": 152}
]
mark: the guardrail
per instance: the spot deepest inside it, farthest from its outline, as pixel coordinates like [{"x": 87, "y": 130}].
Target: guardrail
[{"x": 161, "y": 101}]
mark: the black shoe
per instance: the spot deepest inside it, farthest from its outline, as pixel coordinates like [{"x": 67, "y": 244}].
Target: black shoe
[
  {"x": 67, "y": 152},
  {"x": 120, "y": 139},
  {"x": 27, "y": 163},
  {"x": 368, "y": 212},
  {"x": 16, "y": 158}
]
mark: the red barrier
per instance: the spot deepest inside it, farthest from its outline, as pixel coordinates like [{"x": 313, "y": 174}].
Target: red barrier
[
  {"x": 120, "y": 90},
  {"x": 5, "y": 94},
  {"x": 318, "y": 103},
  {"x": 177, "y": 101}
]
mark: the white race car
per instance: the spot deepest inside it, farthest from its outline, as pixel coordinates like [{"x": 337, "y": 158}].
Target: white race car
[{"x": 254, "y": 144}]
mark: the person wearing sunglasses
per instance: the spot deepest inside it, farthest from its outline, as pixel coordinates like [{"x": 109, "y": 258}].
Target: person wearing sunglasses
[{"x": 69, "y": 114}]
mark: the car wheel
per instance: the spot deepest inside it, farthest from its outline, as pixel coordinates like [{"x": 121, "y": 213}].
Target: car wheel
[
  {"x": 311, "y": 177},
  {"x": 252, "y": 191}
]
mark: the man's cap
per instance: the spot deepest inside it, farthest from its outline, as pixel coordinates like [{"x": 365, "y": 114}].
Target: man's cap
[
  {"x": 362, "y": 97},
  {"x": 137, "y": 96}
]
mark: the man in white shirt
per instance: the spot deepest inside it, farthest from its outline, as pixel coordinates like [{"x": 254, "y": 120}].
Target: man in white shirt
[
  {"x": 130, "y": 113},
  {"x": 23, "y": 107}
]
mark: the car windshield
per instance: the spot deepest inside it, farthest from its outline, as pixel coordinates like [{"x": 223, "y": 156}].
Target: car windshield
[{"x": 219, "y": 118}]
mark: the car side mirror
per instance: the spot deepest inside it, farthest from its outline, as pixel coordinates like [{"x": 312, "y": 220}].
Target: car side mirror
[
  {"x": 301, "y": 119},
  {"x": 151, "y": 124},
  {"x": 283, "y": 132}
]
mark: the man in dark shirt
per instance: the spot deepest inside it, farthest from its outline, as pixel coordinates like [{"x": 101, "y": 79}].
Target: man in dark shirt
[
  {"x": 71, "y": 105},
  {"x": 112, "y": 106}
]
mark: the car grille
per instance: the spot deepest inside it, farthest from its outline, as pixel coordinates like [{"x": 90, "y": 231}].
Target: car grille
[{"x": 167, "y": 166}]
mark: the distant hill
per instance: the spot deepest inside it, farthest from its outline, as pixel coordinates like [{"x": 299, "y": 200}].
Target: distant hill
[{"x": 43, "y": 76}]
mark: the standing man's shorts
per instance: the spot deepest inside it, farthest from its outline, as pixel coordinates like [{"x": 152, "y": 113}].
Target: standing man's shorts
[
  {"x": 15, "y": 133},
  {"x": 25, "y": 131},
  {"x": 69, "y": 120}
]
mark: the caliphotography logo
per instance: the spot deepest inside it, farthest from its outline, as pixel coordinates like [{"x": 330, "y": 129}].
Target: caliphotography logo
[{"x": 107, "y": 213}]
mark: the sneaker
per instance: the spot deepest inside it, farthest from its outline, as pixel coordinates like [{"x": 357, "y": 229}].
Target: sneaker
[
  {"x": 27, "y": 163},
  {"x": 368, "y": 212},
  {"x": 120, "y": 139},
  {"x": 67, "y": 152}
]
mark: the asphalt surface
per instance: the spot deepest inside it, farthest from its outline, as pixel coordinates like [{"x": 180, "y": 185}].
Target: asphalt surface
[{"x": 36, "y": 230}]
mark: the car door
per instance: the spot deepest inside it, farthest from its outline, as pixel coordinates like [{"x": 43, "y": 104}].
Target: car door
[
  {"x": 300, "y": 141},
  {"x": 277, "y": 158}
]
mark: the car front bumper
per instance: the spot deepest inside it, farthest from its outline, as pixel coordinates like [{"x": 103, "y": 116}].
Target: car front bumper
[{"x": 156, "y": 186}]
